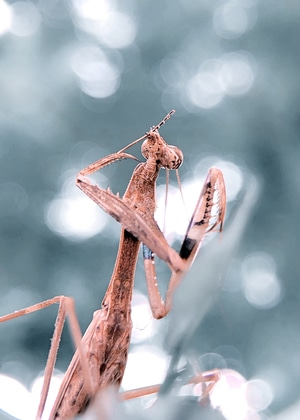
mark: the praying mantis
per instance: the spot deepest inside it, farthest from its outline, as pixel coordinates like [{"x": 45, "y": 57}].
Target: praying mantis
[{"x": 100, "y": 359}]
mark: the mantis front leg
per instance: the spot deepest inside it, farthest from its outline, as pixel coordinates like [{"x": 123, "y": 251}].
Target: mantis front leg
[{"x": 202, "y": 221}]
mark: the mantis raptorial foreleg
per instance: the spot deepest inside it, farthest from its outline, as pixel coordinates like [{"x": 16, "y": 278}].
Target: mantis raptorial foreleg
[{"x": 199, "y": 225}]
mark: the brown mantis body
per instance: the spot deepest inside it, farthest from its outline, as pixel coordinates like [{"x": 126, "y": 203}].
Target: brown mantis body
[{"x": 101, "y": 356}]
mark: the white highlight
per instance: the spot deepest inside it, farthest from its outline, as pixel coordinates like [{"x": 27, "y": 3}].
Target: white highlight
[
  {"x": 228, "y": 395},
  {"x": 5, "y": 17},
  {"x": 118, "y": 31},
  {"x": 146, "y": 365},
  {"x": 144, "y": 325},
  {"x": 204, "y": 89},
  {"x": 238, "y": 399},
  {"x": 233, "y": 19},
  {"x": 97, "y": 76},
  {"x": 259, "y": 394},
  {"x": 92, "y": 9},
  {"x": 261, "y": 286},
  {"x": 73, "y": 215},
  {"x": 21, "y": 403},
  {"x": 233, "y": 74},
  {"x": 26, "y": 18},
  {"x": 236, "y": 74},
  {"x": 15, "y": 400},
  {"x": 101, "y": 19}
]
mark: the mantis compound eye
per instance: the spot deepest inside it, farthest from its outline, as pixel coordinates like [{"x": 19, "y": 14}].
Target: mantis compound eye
[{"x": 172, "y": 157}]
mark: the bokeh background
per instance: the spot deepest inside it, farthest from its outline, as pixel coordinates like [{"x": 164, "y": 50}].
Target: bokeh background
[{"x": 80, "y": 79}]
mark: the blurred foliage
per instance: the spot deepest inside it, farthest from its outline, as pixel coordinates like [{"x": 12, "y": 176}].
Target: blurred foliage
[{"x": 81, "y": 79}]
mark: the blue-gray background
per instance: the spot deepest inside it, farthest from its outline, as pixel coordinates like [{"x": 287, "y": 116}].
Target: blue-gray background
[{"x": 77, "y": 83}]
